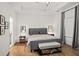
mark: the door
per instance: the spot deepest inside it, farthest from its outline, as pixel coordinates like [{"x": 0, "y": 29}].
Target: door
[
  {"x": 69, "y": 21},
  {"x": 11, "y": 31}
]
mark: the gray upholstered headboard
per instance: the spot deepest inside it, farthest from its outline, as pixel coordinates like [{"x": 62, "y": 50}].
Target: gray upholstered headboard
[{"x": 33, "y": 31}]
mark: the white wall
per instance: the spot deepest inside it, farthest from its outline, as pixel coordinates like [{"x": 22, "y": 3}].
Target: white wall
[
  {"x": 6, "y": 11},
  {"x": 57, "y": 22}
]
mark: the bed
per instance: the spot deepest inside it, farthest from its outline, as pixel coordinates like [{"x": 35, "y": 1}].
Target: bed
[{"x": 39, "y": 35}]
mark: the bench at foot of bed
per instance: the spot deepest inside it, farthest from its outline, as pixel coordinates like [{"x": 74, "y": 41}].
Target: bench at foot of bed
[
  {"x": 49, "y": 47},
  {"x": 49, "y": 51}
]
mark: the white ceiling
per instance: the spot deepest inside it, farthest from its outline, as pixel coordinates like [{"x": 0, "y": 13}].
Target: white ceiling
[{"x": 36, "y": 7}]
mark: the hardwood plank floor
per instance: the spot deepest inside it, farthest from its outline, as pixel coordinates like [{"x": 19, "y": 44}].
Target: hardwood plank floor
[{"x": 20, "y": 49}]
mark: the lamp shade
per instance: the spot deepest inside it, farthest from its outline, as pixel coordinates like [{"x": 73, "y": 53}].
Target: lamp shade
[{"x": 50, "y": 29}]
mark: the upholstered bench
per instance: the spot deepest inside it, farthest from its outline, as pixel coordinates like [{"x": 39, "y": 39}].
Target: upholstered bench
[{"x": 49, "y": 45}]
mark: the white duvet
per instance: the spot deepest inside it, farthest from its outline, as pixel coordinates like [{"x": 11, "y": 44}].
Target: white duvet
[{"x": 40, "y": 37}]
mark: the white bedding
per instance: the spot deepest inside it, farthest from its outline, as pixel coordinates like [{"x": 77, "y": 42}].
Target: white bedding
[{"x": 40, "y": 37}]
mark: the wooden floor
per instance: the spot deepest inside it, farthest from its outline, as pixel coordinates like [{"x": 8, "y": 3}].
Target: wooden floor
[{"x": 21, "y": 49}]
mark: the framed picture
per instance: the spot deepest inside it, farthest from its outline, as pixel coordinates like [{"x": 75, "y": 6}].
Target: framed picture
[
  {"x": 6, "y": 25},
  {"x": 2, "y": 19},
  {"x": 2, "y": 30},
  {"x": 2, "y": 25}
]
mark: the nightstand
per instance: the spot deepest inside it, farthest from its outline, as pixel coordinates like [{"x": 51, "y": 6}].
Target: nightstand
[
  {"x": 23, "y": 39},
  {"x": 52, "y": 34}
]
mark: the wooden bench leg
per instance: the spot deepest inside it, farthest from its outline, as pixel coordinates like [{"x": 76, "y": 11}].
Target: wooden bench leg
[{"x": 40, "y": 52}]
